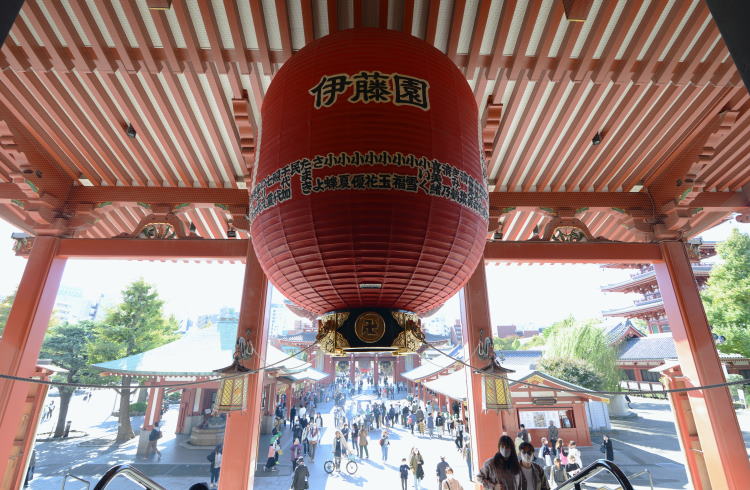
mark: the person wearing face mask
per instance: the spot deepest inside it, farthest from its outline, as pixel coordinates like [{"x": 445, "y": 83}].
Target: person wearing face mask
[
  {"x": 450, "y": 483},
  {"x": 502, "y": 471},
  {"x": 532, "y": 475}
]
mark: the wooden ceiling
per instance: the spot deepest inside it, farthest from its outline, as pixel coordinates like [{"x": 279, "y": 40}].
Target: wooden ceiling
[{"x": 652, "y": 78}]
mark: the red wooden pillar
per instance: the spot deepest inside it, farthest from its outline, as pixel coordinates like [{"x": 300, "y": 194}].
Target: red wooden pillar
[
  {"x": 719, "y": 441},
  {"x": 22, "y": 340},
  {"x": 158, "y": 404},
  {"x": 243, "y": 427},
  {"x": 148, "y": 418},
  {"x": 375, "y": 369},
  {"x": 351, "y": 368},
  {"x": 475, "y": 313}
]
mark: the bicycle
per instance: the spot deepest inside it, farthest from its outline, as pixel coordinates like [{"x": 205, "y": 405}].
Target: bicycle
[{"x": 351, "y": 466}]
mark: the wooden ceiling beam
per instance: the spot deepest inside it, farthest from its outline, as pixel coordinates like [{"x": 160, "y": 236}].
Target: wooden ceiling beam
[
  {"x": 557, "y": 252},
  {"x": 501, "y": 34},
  {"x": 261, "y": 34},
  {"x": 123, "y": 248}
]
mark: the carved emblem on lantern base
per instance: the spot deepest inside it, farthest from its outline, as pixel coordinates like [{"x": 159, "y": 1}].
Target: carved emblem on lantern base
[{"x": 370, "y": 330}]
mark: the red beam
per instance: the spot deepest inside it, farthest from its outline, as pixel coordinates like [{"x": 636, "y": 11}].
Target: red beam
[
  {"x": 165, "y": 195},
  {"x": 135, "y": 249},
  {"x": 585, "y": 252}
]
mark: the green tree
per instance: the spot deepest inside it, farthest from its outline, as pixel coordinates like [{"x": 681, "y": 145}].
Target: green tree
[
  {"x": 5, "y": 304},
  {"x": 576, "y": 371},
  {"x": 507, "y": 343},
  {"x": 134, "y": 326},
  {"x": 67, "y": 345},
  {"x": 585, "y": 341},
  {"x": 727, "y": 296}
]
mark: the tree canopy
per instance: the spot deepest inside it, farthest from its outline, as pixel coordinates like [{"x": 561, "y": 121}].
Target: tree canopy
[
  {"x": 727, "y": 296},
  {"x": 136, "y": 325},
  {"x": 576, "y": 371},
  {"x": 584, "y": 340},
  {"x": 67, "y": 345}
]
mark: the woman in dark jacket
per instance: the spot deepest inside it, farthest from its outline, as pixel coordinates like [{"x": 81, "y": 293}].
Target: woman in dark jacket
[
  {"x": 502, "y": 470},
  {"x": 301, "y": 474},
  {"x": 607, "y": 449}
]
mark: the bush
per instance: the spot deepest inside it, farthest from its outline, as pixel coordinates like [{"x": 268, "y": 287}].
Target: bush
[
  {"x": 174, "y": 397},
  {"x": 138, "y": 408},
  {"x": 576, "y": 371}
]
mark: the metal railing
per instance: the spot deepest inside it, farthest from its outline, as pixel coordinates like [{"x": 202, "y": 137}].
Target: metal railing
[
  {"x": 644, "y": 472},
  {"x": 594, "y": 469},
  {"x": 129, "y": 472},
  {"x": 70, "y": 475}
]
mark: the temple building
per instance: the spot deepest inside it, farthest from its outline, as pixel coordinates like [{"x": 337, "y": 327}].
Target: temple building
[
  {"x": 196, "y": 357},
  {"x": 650, "y": 306}
]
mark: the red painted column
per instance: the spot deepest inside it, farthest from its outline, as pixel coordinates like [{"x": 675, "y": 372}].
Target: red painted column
[
  {"x": 159, "y": 401},
  {"x": 375, "y": 369},
  {"x": 243, "y": 427},
  {"x": 24, "y": 333},
  {"x": 475, "y": 313},
  {"x": 687, "y": 430},
  {"x": 351, "y": 368},
  {"x": 719, "y": 436},
  {"x": 148, "y": 417}
]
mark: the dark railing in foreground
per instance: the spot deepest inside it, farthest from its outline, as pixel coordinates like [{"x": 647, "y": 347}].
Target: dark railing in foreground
[
  {"x": 594, "y": 469},
  {"x": 71, "y": 476},
  {"x": 131, "y": 474}
]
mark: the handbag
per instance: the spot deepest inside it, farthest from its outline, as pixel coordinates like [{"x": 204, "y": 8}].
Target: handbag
[{"x": 602, "y": 449}]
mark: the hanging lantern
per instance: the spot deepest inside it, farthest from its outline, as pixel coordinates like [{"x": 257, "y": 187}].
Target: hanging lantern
[
  {"x": 369, "y": 192},
  {"x": 495, "y": 389},
  {"x": 232, "y": 395}
]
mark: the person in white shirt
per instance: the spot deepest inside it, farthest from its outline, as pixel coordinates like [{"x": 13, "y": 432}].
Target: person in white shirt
[{"x": 574, "y": 451}]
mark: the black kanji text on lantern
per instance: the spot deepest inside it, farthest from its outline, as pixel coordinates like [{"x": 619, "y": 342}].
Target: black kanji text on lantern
[{"x": 372, "y": 86}]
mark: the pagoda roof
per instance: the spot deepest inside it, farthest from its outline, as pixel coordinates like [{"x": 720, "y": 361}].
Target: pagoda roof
[
  {"x": 191, "y": 82},
  {"x": 640, "y": 308},
  {"x": 616, "y": 331},
  {"x": 200, "y": 353},
  {"x": 649, "y": 277}
]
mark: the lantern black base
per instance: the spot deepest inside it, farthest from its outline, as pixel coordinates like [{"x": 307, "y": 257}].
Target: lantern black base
[{"x": 370, "y": 330}]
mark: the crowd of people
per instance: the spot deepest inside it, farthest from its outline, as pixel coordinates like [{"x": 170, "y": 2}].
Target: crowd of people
[{"x": 357, "y": 424}]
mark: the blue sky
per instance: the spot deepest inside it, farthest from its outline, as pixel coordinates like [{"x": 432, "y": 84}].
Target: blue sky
[{"x": 524, "y": 295}]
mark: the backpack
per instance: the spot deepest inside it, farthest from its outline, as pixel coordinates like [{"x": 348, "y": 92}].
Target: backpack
[
  {"x": 382, "y": 441},
  {"x": 211, "y": 456}
]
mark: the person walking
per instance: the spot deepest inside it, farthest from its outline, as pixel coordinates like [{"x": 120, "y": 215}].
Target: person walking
[
  {"x": 552, "y": 433},
  {"x": 562, "y": 451},
  {"x": 440, "y": 471},
  {"x": 345, "y": 431},
  {"x": 573, "y": 452},
  {"x": 503, "y": 469},
  {"x": 416, "y": 464},
  {"x": 384, "y": 443},
  {"x": 467, "y": 456},
  {"x": 215, "y": 458},
  {"x": 340, "y": 448},
  {"x": 573, "y": 468},
  {"x": 607, "y": 448},
  {"x": 558, "y": 474},
  {"x": 363, "y": 443},
  {"x": 450, "y": 483},
  {"x": 313, "y": 439},
  {"x": 153, "y": 438},
  {"x": 30, "y": 470},
  {"x": 524, "y": 434},
  {"x": 295, "y": 453},
  {"x": 532, "y": 475},
  {"x": 271, "y": 457},
  {"x": 404, "y": 473},
  {"x": 430, "y": 425},
  {"x": 301, "y": 475}
]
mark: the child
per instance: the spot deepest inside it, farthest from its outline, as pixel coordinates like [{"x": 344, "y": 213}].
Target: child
[{"x": 404, "y": 470}]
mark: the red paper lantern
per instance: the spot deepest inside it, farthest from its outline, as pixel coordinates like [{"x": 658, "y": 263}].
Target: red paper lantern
[{"x": 370, "y": 187}]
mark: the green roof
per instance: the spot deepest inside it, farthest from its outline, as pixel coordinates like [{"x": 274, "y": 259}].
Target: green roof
[{"x": 199, "y": 353}]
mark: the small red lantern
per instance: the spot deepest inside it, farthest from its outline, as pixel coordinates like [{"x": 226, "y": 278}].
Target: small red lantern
[{"x": 370, "y": 188}]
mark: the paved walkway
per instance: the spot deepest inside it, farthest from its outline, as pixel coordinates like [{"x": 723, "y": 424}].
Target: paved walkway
[{"x": 646, "y": 441}]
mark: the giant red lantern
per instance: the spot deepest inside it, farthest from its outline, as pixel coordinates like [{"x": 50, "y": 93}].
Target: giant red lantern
[{"x": 370, "y": 191}]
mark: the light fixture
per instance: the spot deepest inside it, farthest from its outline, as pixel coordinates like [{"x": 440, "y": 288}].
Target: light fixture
[
  {"x": 130, "y": 131},
  {"x": 232, "y": 395},
  {"x": 596, "y": 139},
  {"x": 192, "y": 227},
  {"x": 370, "y": 285},
  {"x": 495, "y": 389},
  {"x": 497, "y": 236},
  {"x": 231, "y": 233}
]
